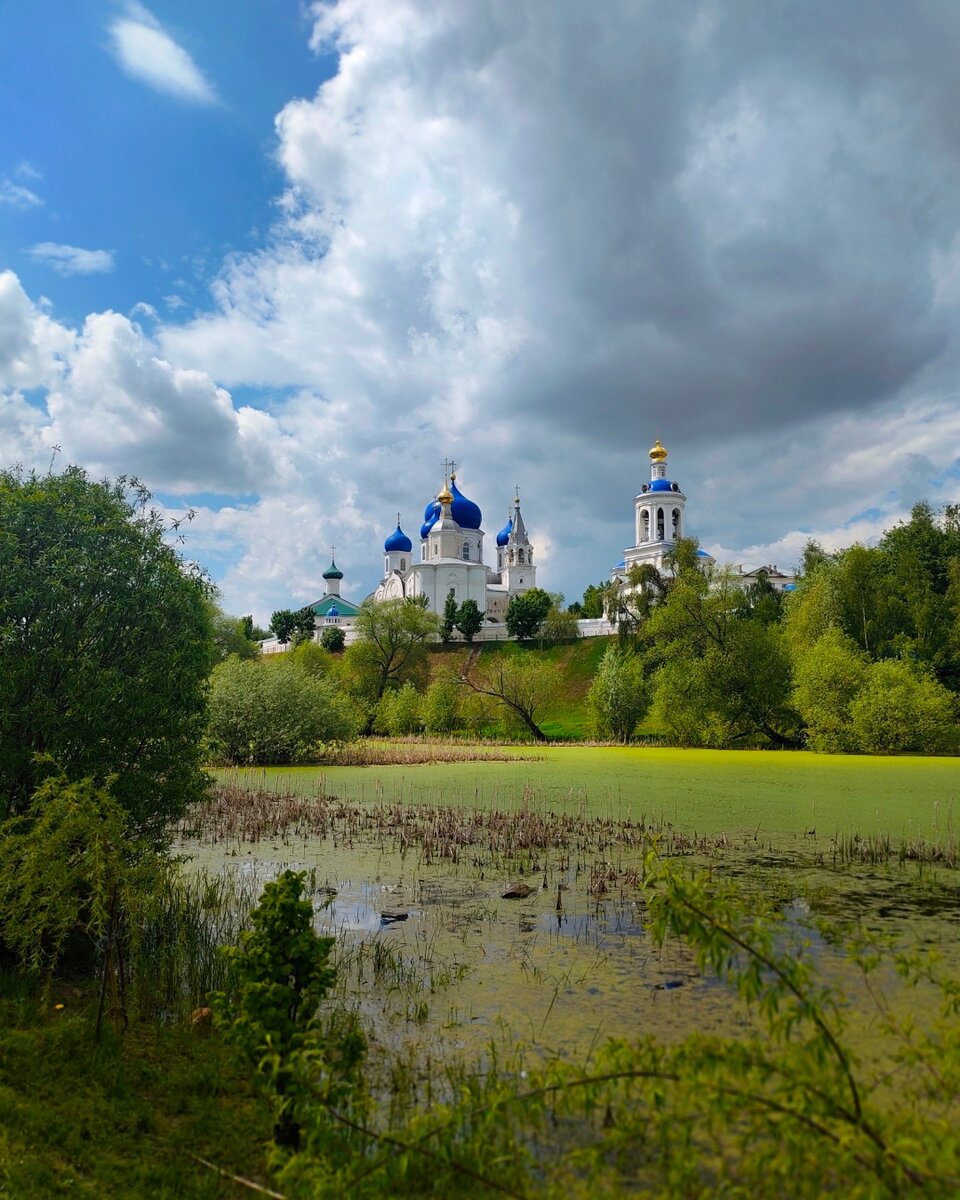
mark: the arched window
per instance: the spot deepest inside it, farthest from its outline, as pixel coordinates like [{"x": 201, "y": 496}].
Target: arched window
[
  {"x": 466, "y": 551},
  {"x": 645, "y": 526},
  {"x": 511, "y": 556},
  {"x": 520, "y": 552},
  {"x": 386, "y": 566},
  {"x": 403, "y": 564},
  {"x": 676, "y": 523},
  {"x": 660, "y": 528}
]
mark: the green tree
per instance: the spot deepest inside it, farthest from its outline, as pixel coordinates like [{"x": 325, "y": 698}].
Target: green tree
[
  {"x": 723, "y": 679},
  {"x": 469, "y": 619},
  {"x": 275, "y": 711},
  {"x": 229, "y": 635},
  {"x": 252, "y": 632},
  {"x": 441, "y": 703},
  {"x": 399, "y": 712},
  {"x": 526, "y": 613},
  {"x": 828, "y": 677},
  {"x": 449, "y": 620},
  {"x": 618, "y": 696},
  {"x": 333, "y": 639},
  {"x": 289, "y": 625},
  {"x": 391, "y": 644},
  {"x": 594, "y": 601},
  {"x": 105, "y": 647},
  {"x": 559, "y": 625},
  {"x": 520, "y": 683},
  {"x": 901, "y": 710}
]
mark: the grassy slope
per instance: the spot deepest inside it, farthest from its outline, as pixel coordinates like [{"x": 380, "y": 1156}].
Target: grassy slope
[
  {"x": 77, "y": 1119},
  {"x": 573, "y": 664}
]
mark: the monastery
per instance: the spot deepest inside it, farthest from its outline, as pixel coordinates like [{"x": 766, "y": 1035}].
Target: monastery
[{"x": 450, "y": 556}]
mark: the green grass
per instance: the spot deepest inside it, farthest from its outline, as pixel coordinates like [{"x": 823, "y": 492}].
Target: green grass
[
  {"x": 119, "y": 1119},
  {"x": 775, "y": 792}
]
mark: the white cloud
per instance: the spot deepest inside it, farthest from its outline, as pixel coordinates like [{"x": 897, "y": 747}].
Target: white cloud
[
  {"x": 15, "y": 195},
  {"x": 72, "y": 260},
  {"x": 148, "y": 53}
]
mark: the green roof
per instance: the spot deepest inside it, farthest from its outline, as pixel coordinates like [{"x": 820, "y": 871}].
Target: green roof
[
  {"x": 322, "y": 607},
  {"x": 333, "y": 571}
]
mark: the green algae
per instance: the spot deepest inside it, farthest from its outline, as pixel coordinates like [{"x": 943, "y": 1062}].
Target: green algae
[{"x": 773, "y": 793}]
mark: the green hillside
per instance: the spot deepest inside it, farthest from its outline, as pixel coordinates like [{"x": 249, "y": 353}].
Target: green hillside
[{"x": 573, "y": 664}]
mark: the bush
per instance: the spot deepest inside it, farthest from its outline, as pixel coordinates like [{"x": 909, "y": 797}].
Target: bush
[
  {"x": 441, "y": 704},
  {"x": 333, "y": 639},
  {"x": 900, "y": 710},
  {"x": 827, "y": 679},
  {"x": 398, "y": 712},
  {"x": 275, "y": 712}
]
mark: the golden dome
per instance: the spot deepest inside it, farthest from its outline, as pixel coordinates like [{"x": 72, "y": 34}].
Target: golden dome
[
  {"x": 658, "y": 453},
  {"x": 446, "y": 496}
]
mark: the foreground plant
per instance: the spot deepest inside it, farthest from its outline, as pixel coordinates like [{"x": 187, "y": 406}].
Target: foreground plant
[{"x": 280, "y": 973}]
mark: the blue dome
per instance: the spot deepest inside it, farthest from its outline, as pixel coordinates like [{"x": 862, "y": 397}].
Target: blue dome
[
  {"x": 398, "y": 540},
  {"x": 504, "y": 535},
  {"x": 661, "y": 485},
  {"x": 466, "y": 514},
  {"x": 431, "y": 514},
  {"x": 333, "y": 611}
]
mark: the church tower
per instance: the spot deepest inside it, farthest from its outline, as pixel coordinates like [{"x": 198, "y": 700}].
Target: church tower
[
  {"x": 515, "y": 554},
  {"x": 658, "y": 516}
]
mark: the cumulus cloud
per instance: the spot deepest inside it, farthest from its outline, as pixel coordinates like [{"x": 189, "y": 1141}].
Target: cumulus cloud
[
  {"x": 72, "y": 260},
  {"x": 149, "y": 54},
  {"x": 536, "y": 240}
]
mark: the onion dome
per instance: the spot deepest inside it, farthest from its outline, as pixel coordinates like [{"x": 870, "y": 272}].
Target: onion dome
[
  {"x": 333, "y": 571},
  {"x": 333, "y": 611},
  {"x": 661, "y": 485},
  {"x": 658, "y": 453},
  {"x": 431, "y": 514},
  {"x": 466, "y": 514},
  {"x": 504, "y": 535},
  {"x": 398, "y": 540},
  {"x": 445, "y": 497}
]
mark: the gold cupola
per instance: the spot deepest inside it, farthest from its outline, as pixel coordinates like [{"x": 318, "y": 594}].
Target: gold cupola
[
  {"x": 445, "y": 496},
  {"x": 658, "y": 453}
]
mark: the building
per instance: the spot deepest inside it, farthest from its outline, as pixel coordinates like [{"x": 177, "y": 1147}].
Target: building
[
  {"x": 450, "y": 556},
  {"x": 659, "y": 523}
]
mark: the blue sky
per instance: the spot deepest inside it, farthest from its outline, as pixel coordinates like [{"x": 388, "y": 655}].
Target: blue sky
[
  {"x": 167, "y": 184},
  {"x": 280, "y": 259}
]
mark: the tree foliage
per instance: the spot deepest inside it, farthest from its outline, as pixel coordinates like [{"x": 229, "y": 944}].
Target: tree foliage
[
  {"x": 399, "y": 712},
  {"x": 293, "y": 625},
  {"x": 275, "y": 710},
  {"x": 448, "y": 622},
  {"x": 333, "y": 639},
  {"x": 391, "y": 644},
  {"x": 520, "y": 683},
  {"x": 105, "y": 646},
  {"x": 619, "y": 694},
  {"x": 526, "y": 612},
  {"x": 469, "y": 619}
]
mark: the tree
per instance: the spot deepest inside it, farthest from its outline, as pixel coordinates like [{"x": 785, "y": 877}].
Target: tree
[
  {"x": 229, "y": 635},
  {"x": 441, "y": 704},
  {"x": 275, "y": 710},
  {"x": 449, "y": 620},
  {"x": 253, "y": 632},
  {"x": 560, "y": 625},
  {"x": 288, "y": 625},
  {"x": 618, "y": 696},
  {"x": 594, "y": 601},
  {"x": 521, "y": 683},
  {"x": 333, "y": 639},
  {"x": 902, "y": 710},
  {"x": 105, "y": 647},
  {"x": 526, "y": 612},
  {"x": 469, "y": 619},
  {"x": 390, "y": 646},
  {"x": 399, "y": 712},
  {"x": 828, "y": 677}
]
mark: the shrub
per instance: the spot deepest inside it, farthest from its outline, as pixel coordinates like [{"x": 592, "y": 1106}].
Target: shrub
[{"x": 900, "y": 710}]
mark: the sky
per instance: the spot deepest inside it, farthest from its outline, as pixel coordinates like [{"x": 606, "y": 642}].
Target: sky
[{"x": 279, "y": 260}]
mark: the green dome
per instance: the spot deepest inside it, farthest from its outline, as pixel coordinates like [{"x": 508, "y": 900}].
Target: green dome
[{"x": 333, "y": 571}]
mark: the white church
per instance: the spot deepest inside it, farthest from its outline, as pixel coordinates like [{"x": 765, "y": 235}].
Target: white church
[{"x": 450, "y": 556}]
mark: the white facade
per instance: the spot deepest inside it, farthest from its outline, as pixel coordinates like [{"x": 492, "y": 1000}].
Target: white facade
[
  {"x": 450, "y": 558},
  {"x": 659, "y": 523}
]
